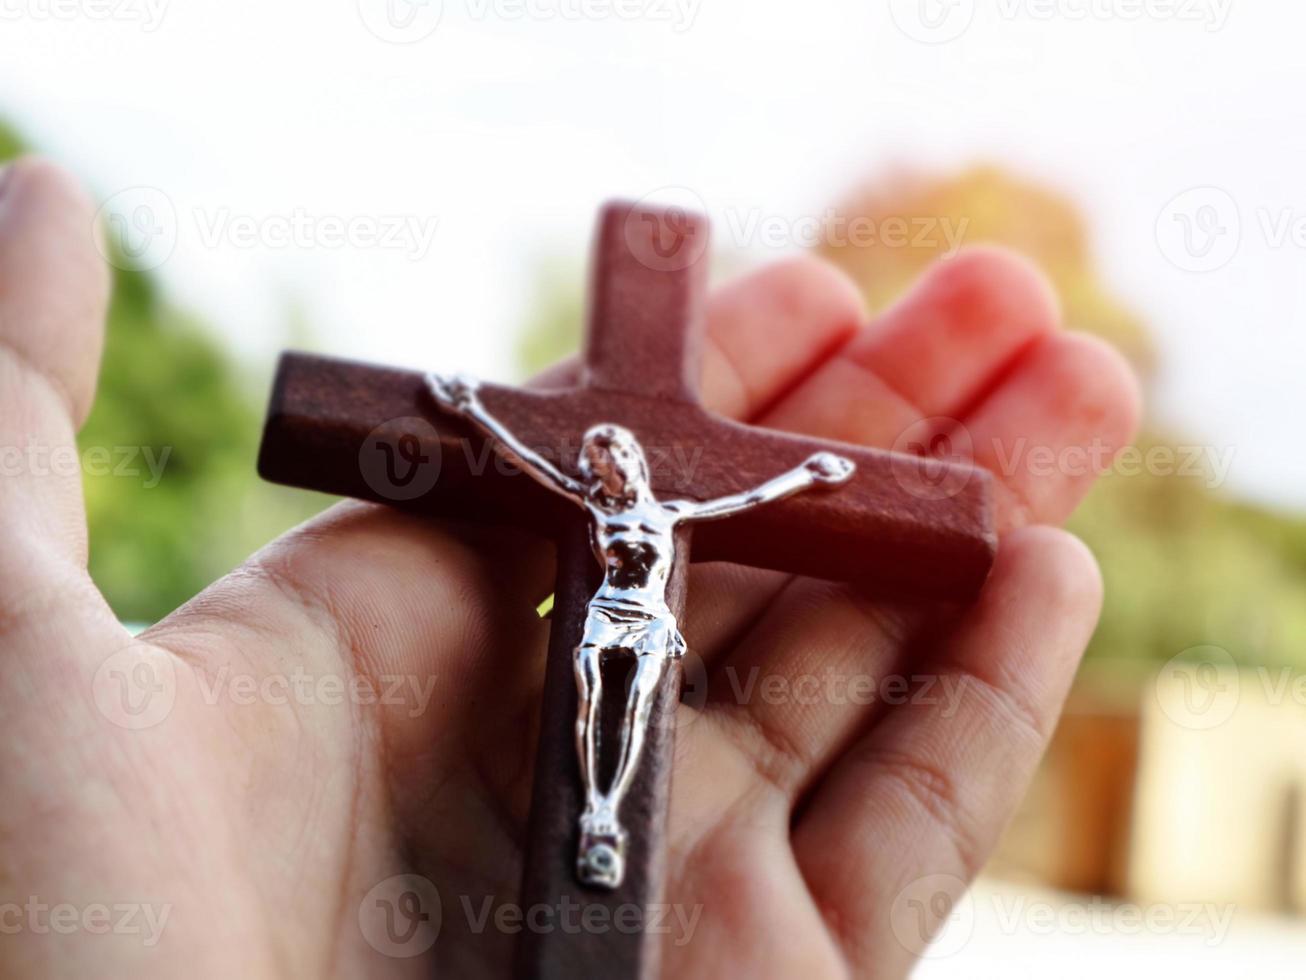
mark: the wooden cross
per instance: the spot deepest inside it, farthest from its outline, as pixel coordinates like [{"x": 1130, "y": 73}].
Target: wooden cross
[{"x": 903, "y": 524}]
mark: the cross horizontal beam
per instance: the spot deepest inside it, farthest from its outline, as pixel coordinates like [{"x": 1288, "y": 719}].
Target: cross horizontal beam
[{"x": 904, "y": 524}]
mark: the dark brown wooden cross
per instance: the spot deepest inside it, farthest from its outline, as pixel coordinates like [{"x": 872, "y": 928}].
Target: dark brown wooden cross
[{"x": 903, "y": 524}]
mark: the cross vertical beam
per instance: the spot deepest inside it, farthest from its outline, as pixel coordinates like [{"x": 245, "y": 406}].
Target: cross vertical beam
[{"x": 644, "y": 336}]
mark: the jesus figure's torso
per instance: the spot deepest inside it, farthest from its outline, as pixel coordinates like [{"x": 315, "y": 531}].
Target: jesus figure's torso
[{"x": 636, "y": 547}]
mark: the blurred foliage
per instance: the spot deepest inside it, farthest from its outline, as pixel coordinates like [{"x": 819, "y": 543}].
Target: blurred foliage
[
  {"x": 560, "y": 313},
  {"x": 1184, "y": 566},
  {"x": 168, "y": 392}
]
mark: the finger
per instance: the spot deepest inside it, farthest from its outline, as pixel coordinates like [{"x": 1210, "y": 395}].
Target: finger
[
  {"x": 955, "y": 334},
  {"x": 933, "y": 354},
  {"x": 829, "y": 652},
  {"x": 927, "y": 792},
  {"x": 767, "y": 332},
  {"x": 1053, "y": 426},
  {"x": 53, "y": 295}
]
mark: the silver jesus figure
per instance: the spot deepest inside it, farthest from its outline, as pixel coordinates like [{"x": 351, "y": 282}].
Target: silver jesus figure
[{"x": 633, "y": 536}]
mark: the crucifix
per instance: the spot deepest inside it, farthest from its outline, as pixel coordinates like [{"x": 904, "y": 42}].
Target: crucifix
[{"x": 625, "y": 465}]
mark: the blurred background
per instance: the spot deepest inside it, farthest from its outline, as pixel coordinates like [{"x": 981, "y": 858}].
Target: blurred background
[{"x": 413, "y": 181}]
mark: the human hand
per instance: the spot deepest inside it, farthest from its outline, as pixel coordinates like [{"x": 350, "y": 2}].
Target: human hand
[{"x": 272, "y": 827}]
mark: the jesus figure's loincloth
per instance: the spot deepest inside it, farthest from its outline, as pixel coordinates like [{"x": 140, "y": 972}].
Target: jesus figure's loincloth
[{"x": 616, "y": 624}]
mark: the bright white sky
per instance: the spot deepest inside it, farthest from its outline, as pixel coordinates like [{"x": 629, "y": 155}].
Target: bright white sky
[{"x": 508, "y": 127}]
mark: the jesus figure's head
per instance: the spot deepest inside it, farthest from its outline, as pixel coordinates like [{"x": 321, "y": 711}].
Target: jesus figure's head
[{"x": 612, "y": 457}]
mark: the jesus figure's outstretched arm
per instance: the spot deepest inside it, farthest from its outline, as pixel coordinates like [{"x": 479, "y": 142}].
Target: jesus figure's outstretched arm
[
  {"x": 458, "y": 394},
  {"x": 825, "y": 469}
]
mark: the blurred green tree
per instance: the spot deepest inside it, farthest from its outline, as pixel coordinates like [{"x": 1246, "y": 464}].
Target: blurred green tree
[{"x": 169, "y": 393}]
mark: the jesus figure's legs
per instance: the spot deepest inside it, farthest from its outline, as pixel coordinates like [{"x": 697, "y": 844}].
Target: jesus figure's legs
[
  {"x": 649, "y": 670},
  {"x": 589, "y": 690},
  {"x": 600, "y": 859}
]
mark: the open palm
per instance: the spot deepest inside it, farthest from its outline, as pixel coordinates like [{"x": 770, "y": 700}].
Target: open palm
[{"x": 321, "y": 765}]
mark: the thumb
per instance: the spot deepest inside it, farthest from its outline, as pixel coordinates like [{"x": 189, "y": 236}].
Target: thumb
[{"x": 53, "y": 294}]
